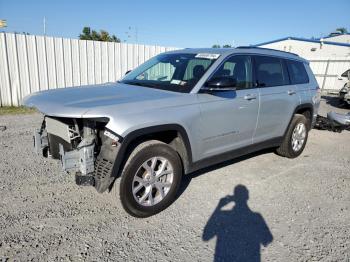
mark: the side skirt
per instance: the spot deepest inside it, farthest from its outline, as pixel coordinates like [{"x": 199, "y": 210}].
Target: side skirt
[{"x": 206, "y": 162}]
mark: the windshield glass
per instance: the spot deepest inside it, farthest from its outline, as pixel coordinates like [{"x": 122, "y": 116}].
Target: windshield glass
[{"x": 173, "y": 72}]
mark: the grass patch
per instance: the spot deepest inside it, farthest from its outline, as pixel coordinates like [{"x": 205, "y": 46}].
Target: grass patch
[{"x": 15, "y": 110}]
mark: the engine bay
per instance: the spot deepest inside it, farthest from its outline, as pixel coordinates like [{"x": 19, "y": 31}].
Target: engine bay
[{"x": 83, "y": 146}]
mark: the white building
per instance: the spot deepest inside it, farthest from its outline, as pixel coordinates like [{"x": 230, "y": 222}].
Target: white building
[
  {"x": 329, "y": 47},
  {"x": 329, "y": 57}
]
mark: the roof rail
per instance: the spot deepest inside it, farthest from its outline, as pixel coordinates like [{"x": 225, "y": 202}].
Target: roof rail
[{"x": 263, "y": 48}]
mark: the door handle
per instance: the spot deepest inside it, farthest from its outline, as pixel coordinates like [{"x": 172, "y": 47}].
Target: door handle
[
  {"x": 249, "y": 97},
  {"x": 291, "y": 92}
]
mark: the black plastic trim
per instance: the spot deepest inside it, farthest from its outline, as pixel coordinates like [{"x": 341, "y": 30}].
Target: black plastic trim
[
  {"x": 114, "y": 133},
  {"x": 203, "y": 163},
  {"x": 300, "y": 107},
  {"x": 128, "y": 139}
]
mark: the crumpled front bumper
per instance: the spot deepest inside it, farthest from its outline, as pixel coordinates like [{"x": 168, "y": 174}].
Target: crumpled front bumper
[
  {"x": 80, "y": 160},
  {"x": 92, "y": 164}
]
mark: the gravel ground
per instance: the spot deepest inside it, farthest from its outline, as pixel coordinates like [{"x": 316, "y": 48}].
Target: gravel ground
[{"x": 298, "y": 210}]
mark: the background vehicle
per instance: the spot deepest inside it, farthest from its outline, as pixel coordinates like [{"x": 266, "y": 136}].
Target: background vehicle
[
  {"x": 178, "y": 112},
  {"x": 344, "y": 93},
  {"x": 343, "y": 79}
]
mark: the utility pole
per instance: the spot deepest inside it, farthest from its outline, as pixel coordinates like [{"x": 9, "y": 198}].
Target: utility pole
[
  {"x": 44, "y": 24},
  {"x": 136, "y": 34},
  {"x": 130, "y": 34}
]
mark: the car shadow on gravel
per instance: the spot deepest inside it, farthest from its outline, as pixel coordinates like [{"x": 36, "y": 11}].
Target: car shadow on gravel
[
  {"x": 186, "y": 179},
  {"x": 239, "y": 231}
]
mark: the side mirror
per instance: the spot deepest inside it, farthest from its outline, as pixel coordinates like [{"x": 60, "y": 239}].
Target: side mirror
[
  {"x": 127, "y": 72},
  {"x": 220, "y": 84}
]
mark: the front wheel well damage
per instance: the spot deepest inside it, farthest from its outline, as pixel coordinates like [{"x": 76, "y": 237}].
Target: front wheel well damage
[{"x": 171, "y": 136}]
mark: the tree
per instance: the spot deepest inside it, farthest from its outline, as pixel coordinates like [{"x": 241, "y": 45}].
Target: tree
[
  {"x": 219, "y": 46},
  {"x": 103, "y": 35},
  {"x": 95, "y": 36},
  {"x": 342, "y": 30},
  {"x": 86, "y": 35}
]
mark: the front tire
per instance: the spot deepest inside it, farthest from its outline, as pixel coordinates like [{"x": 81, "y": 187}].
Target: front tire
[
  {"x": 150, "y": 179},
  {"x": 296, "y": 137}
]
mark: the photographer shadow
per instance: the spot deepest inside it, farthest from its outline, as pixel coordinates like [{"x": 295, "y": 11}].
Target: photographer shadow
[{"x": 240, "y": 232}]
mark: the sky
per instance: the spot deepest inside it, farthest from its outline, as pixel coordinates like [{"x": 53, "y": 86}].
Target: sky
[{"x": 179, "y": 23}]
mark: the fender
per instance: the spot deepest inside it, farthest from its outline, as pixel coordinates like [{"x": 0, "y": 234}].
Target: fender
[{"x": 134, "y": 135}]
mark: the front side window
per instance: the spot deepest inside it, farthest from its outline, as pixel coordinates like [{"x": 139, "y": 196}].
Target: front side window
[
  {"x": 174, "y": 72},
  {"x": 237, "y": 67},
  {"x": 297, "y": 72},
  {"x": 269, "y": 71}
]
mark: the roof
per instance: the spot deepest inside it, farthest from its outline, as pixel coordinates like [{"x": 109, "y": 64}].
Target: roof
[
  {"x": 331, "y": 36},
  {"x": 238, "y": 50},
  {"x": 220, "y": 51},
  {"x": 304, "y": 40}
]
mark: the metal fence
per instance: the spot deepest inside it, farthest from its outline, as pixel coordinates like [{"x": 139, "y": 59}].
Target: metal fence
[
  {"x": 328, "y": 73},
  {"x": 30, "y": 63}
]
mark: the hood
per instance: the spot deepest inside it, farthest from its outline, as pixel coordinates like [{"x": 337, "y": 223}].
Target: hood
[{"x": 77, "y": 101}]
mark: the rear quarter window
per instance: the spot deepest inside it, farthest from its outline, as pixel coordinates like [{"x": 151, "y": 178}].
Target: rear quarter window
[{"x": 297, "y": 72}]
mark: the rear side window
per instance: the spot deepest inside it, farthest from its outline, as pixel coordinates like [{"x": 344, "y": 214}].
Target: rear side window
[
  {"x": 297, "y": 72},
  {"x": 269, "y": 71}
]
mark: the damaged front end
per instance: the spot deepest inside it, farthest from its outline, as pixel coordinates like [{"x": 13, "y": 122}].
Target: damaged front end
[{"x": 84, "y": 147}]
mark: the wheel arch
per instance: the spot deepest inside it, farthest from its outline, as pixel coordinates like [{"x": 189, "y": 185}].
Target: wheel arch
[
  {"x": 305, "y": 108},
  {"x": 174, "y": 135}
]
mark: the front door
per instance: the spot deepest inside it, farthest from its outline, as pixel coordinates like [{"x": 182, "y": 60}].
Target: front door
[{"x": 228, "y": 118}]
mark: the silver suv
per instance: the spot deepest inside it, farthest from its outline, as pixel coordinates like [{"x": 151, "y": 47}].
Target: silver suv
[{"x": 176, "y": 113}]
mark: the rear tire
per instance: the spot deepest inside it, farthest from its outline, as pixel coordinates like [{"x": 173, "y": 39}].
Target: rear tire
[
  {"x": 150, "y": 179},
  {"x": 296, "y": 137}
]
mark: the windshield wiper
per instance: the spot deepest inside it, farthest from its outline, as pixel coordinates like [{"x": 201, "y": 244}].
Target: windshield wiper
[{"x": 139, "y": 84}]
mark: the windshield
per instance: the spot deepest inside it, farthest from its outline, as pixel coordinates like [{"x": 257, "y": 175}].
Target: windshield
[{"x": 173, "y": 72}]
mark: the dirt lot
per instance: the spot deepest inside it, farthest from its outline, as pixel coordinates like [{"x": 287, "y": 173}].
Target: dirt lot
[{"x": 298, "y": 210}]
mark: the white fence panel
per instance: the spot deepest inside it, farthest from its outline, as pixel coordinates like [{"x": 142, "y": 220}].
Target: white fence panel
[
  {"x": 76, "y": 71},
  {"x": 328, "y": 72},
  {"x": 51, "y": 63},
  {"x": 12, "y": 59},
  {"x": 31, "y": 63},
  {"x": 104, "y": 62},
  {"x": 67, "y": 62},
  {"x": 42, "y": 63},
  {"x": 111, "y": 62},
  {"x": 98, "y": 62},
  {"x": 5, "y": 88}
]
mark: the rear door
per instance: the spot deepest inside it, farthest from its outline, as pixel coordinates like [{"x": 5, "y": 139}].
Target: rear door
[
  {"x": 278, "y": 97},
  {"x": 228, "y": 118}
]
